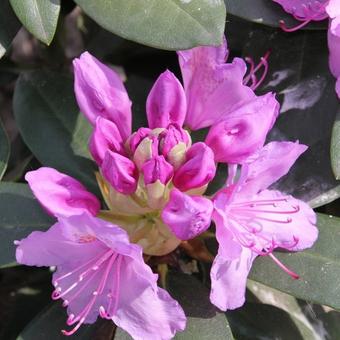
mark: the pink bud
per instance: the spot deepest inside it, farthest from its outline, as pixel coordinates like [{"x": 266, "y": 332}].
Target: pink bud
[
  {"x": 243, "y": 131},
  {"x": 136, "y": 138},
  {"x": 120, "y": 172},
  {"x": 171, "y": 137},
  {"x": 166, "y": 103},
  {"x": 187, "y": 216},
  {"x": 146, "y": 149},
  {"x": 198, "y": 170},
  {"x": 60, "y": 194},
  {"x": 100, "y": 92},
  {"x": 105, "y": 137},
  {"x": 157, "y": 169}
]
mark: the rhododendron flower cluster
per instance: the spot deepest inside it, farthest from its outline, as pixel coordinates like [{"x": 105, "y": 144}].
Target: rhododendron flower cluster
[
  {"x": 153, "y": 182},
  {"x": 316, "y": 10}
]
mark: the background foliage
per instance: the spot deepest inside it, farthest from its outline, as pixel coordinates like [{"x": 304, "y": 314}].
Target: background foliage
[{"x": 41, "y": 125}]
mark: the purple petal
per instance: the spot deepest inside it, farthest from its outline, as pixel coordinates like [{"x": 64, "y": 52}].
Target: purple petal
[
  {"x": 304, "y": 9},
  {"x": 166, "y": 103},
  {"x": 61, "y": 195},
  {"x": 228, "y": 280},
  {"x": 334, "y": 46},
  {"x": 333, "y": 8},
  {"x": 120, "y": 172},
  {"x": 239, "y": 134},
  {"x": 105, "y": 137},
  {"x": 100, "y": 92},
  {"x": 271, "y": 163},
  {"x": 198, "y": 170},
  {"x": 187, "y": 216},
  {"x": 70, "y": 240},
  {"x": 207, "y": 84}
]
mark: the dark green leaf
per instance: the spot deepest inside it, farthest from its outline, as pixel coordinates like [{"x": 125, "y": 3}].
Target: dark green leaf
[
  {"x": 265, "y": 12},
  {"x": 20, "y": 214},
  {"x": 9, "y": 26},
  {"x": 319, "y": 267},
  {"x": 335, "y": 147},
  {"x": 4, "y": 150},
  {"x": 52, "y": 126},
  {"x": 255, "y": 321},
  {"x": 167, "y": 24},
  {"x": 299, "y": 74},
  {"x": 40, "y": 17},
  {"x": 49, "y": 323}
]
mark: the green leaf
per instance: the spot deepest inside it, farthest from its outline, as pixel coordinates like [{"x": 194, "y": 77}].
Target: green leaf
[
  {"x": 20, "y": 214},
  {"x": 49, "y": 323},
  {"x": 335, "y": 147},
  {"x": 4, "y": 150},
  {"x": 52, "y": 126},
  {"x": 318, "y": 267},
  {"x": 299, "y": 74},
  {"x": 9, "y": 26},
  {"x": 203, "y": 320},
  {"x": 266, "y": 12},
  {"x": 40, "y": 17},
  {"x": 256, "y": 321},
  {"x": 167, "y": 24}
]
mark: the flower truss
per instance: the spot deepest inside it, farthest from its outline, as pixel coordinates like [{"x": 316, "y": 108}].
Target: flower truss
[
  {"x": 153, "y": 183},
  {"x": 316, "y": 10}
]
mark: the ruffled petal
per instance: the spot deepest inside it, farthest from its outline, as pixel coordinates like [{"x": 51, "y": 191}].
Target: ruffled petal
[
  {"x": 271, "y": 163},
  {"x": 228, "y": 280},
  {"x": 166, "y": 103},
  {"x": 100, "y": 92},
  {"x": 60, "y": 194},
  {"x": 144, "y": 310},
  {"x": 187, "y": 216},
  {"x": 239, "y": 134},
  {"x": 69, "y": 240},
  {"x": 207, "y": 83}
]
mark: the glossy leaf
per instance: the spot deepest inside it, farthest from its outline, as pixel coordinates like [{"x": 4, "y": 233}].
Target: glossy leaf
[
  {"x": 4, "y": 150},
  {"x": 299, "y": 74},
  {"x": 167, "y": 24},
  {"x": 20, "y": 214},
  {"x": 52, "y": 126},
  {"x": 256, "y": 321},
  {"x": 204, "y": 321},
  {"x": 319, "y": 267},
  {"x": 9, "y": 26},
  {"x": 266, "y": 12},
  {"x": 40, "y": 17},
  {"x": 49, "y": 323}
]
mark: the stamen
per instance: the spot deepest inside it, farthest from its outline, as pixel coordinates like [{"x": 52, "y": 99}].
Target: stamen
[
  {"x": 286, "y": 212},
  {"x": 266, "y": 202},
  {"x": 284, "y": 268}
]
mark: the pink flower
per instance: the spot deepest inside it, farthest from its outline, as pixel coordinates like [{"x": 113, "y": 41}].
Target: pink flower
[
  {"x": 100, "y": 273},
  {"x": 238, "y": 135},
  {"x": 100, "y": 92},
  {"x": 187, "y": 216},
  {"x": 60, "y": 194},
  {"x": 307, "y": 11},
  {"x": 252, "y": 220},
  {"x": 212, "y": 86}
]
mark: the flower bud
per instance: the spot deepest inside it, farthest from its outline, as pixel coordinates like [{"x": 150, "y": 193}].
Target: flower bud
[
  {"x": 60, "y": 194},
  {"x": 120, "y": 172},
  {"x": 146, "y": 149},
  {"x": 100, "y": 92},
  {"x": 105, "y": 137},
  {"x": 187, "y": 216},
  {"x": 166, "y": 103},
  {"x": 198, "y": 170}
]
